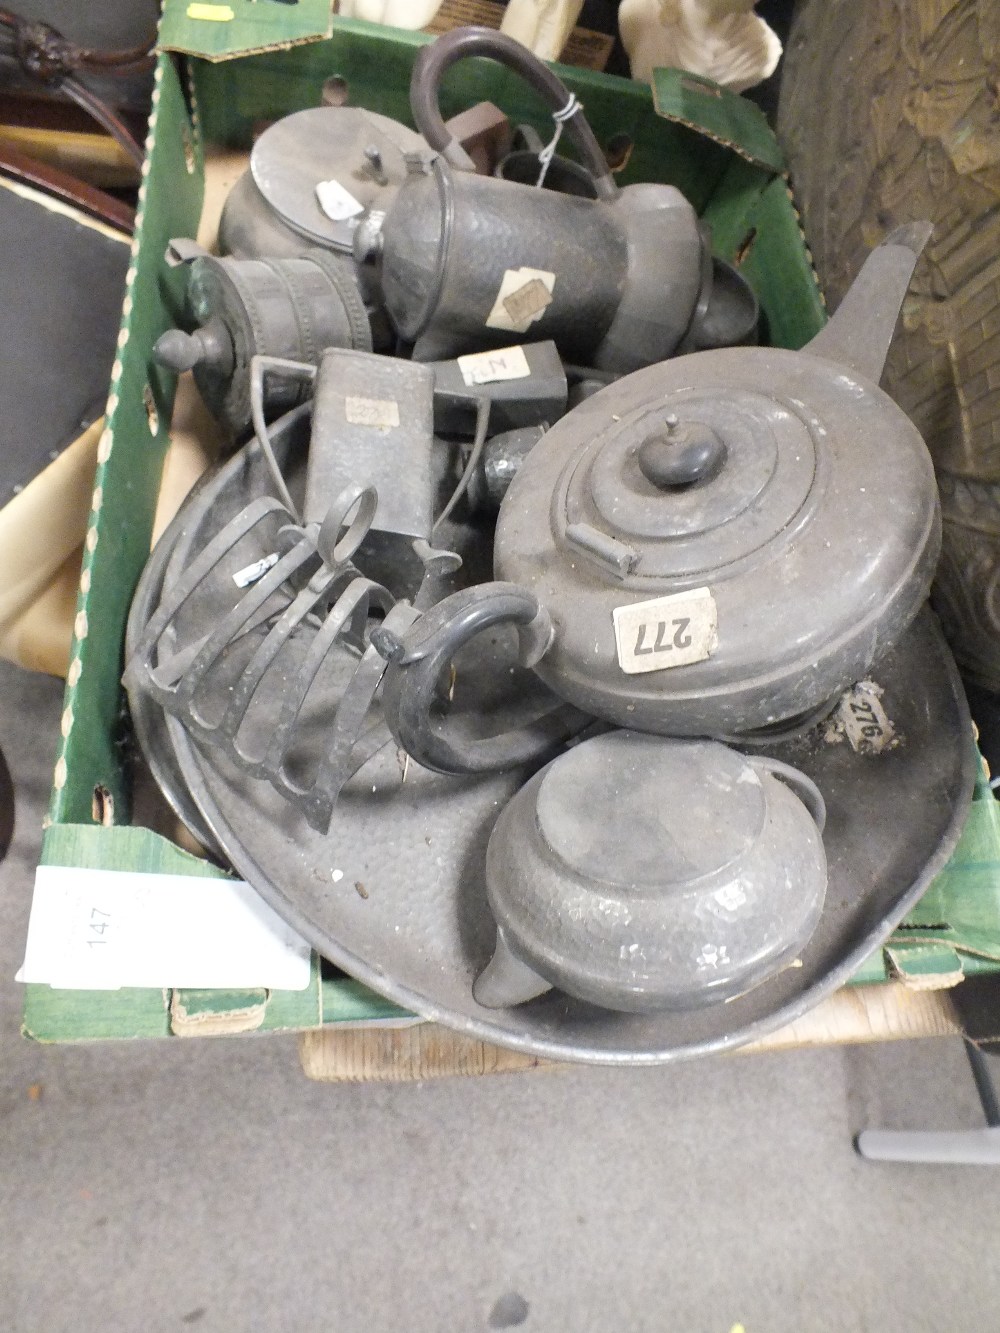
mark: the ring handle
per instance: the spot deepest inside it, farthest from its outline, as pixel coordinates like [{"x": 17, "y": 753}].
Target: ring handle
[
  {"x": 339, "y": 534},
  {"x": 804, "y": 788},
  {"x": 459, "y": 44},
  {"x": 419, "y": 659}
]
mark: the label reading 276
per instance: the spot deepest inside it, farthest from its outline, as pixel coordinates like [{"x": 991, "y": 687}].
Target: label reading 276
[{"x": 667, "y": 631}]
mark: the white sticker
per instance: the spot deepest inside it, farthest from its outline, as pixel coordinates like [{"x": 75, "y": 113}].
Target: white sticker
[
  {"x": 104, "y": 929},
  {"x": 337, "y": 203},
  {"x": 667, "y": 631},
  {"x": 523, "y": 297},
  {"x": 252, "y": 573},
  {"x": 382, "y": 412},
  {"x": 507, "y": 363},
  {"x": 865, "y": 722}
]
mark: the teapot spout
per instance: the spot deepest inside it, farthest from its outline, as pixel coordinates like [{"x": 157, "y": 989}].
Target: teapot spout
[
  {"x": 860, "y": 331},
  {"x": 505, "y": 980}
]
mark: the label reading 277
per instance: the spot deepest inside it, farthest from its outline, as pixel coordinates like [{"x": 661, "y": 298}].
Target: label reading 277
[{"x": 667, "y": 631}]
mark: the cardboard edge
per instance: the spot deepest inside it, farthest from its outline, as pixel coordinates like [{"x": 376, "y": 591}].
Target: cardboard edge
[
  {"x": 188, "y": 1019},
  {"x": 742, "y": 108},
  {"x": 238, "y": 52}
]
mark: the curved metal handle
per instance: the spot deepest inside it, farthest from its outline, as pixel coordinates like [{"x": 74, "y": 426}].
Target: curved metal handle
[
  {"x": 804, "y": 788},
  {"x": 419, "y": 660},
  {"x": 438, "y": 56}
]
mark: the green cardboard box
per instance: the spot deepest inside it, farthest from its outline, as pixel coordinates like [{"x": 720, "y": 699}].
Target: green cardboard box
[{"x": 217, "y": 77}]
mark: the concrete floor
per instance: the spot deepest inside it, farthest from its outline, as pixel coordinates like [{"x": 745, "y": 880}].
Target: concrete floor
[{"x": 208, "y": 1185}]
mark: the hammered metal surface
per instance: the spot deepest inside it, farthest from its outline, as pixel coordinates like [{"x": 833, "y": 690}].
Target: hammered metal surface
[{"x": 395, "y": 892}]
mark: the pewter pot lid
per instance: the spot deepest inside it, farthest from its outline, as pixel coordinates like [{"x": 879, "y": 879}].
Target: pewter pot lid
[
  {"x": 358, "y": 155},
  {"x": 781, "y": 497},
  {"x": 639, "y": 872}
]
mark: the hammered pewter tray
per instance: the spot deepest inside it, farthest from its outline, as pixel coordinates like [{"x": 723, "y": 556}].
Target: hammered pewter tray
[{"x": 394, "y": 892}]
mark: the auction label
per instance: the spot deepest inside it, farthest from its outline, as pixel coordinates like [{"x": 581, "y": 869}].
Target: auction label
[
  {"x": 523, "y": 297},
  {"x": 506, "y": 363},
  {"x": 380, "y": 412},
  {"x": 864, "y": 720},
  {"x": 667, "y": 631}
]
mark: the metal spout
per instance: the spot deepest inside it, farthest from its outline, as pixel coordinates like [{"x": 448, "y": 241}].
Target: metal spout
[
  {"x": 505, "y": 980},
  {"x": 860, "y": 331}
]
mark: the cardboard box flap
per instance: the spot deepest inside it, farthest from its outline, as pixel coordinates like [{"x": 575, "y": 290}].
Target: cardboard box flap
[
  {"x": 222, "y": 29},
  {"x": 932, "y": 966},
  {"x": 723, "y": 116}
]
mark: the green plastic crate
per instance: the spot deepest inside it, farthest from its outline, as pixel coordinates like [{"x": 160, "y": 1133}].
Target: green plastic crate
[{"x": 714, "y": 146}]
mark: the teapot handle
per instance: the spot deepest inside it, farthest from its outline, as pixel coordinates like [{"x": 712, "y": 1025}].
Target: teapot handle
[
  {"x": 804, "y": 788},
  {"x": 420, "y": 657},
  {"x": 432, "y": 61}
]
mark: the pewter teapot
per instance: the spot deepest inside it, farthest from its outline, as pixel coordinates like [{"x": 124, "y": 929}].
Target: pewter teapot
[{"x": 716, "y": 545}]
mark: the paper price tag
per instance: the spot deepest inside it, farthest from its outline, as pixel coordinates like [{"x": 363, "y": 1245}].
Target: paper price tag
[
  {"x": 864, "y": 720},
  {"x": 523, "y": 296},
  {"x": 210, "y": 13},
  {"x": 666, "y": 631},
  {"x": 381, "y": 412},
  {"x": 104, "y": 929},
  {"x": 337, "y": 202},
  {"x": 252, "y": 573},
  {"x": 508, "y": 363}
]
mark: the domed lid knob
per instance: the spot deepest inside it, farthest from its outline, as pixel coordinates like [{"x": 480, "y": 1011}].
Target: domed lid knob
[{"x": 683, "y": 454}]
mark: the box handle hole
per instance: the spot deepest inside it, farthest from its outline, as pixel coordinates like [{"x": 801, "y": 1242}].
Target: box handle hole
[
  {"x": 334, "y": 91},
  {"x": 102, "y": 807},
  {"x": 618, "y": 151}
]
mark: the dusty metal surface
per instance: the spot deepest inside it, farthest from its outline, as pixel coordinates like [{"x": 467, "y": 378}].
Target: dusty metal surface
[
  {"x": 726, "y": 540},
  {"x": 292, "y": 308},
  {"x": 419, "y": 928},
  {"x": 718, "y": 884},
  {"x": 416, "y": 844},
  {"x": 275, "y": 209},
  {"x": 465, "y": 262}
]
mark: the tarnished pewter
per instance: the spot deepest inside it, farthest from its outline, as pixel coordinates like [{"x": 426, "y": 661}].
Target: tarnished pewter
[
  {"x": 274, "y": 209},
  {"x": 248, "y": 683},
  {"x": 467, "y": 261},
  {"x": 726, "y": 541},
  {"x": 503, "y": 455},
  {"x": 703, "y": 875},
  {"x": 417, "y": 842},
  {"x": 373, "y": 425},
  {"x": 289, "y": 308},
  {"x": 526, "y": 385},
  {"x": 528, "y": 164}
]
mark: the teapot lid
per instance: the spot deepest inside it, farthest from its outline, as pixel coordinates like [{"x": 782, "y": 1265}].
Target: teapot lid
[{"x": 689, "y": 480}]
